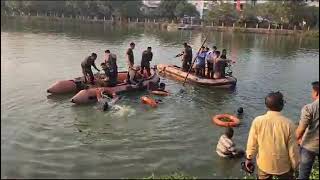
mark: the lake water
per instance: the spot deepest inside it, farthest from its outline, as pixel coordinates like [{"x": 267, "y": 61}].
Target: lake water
[{"x": 48, "y": 137}]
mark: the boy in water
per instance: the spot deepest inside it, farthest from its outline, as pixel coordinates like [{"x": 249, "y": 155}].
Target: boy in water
[{"x": 226, "y": 147}]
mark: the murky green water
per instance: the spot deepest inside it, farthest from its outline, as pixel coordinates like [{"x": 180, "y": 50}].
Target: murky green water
[{"x": 48, "y": 137}]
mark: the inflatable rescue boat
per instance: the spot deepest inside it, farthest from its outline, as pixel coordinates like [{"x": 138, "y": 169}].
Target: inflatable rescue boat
[{"x": 88, "y": 95}]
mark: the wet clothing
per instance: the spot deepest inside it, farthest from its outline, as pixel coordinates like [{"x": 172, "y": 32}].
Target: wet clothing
[
  {"x": 187, "y": 58},
  {"x": 145, "y": 61},
  {"x": 129, "y": 53},
  {"x": 225, "y": 147},
  {"x": 272, "y": 140},
  {"x": 86, "y": 67}
]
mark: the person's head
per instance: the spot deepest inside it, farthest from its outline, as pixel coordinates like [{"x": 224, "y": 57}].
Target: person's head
[
  {"x": 202, "y": 48},
  {"x": 207, "y": 49},
  {"x": 224, "y": 51},
  {"x": 315, "y": 90},
  {"x": 149, "y": 49},
  {"x": 94, "y": 56},
  {"x": 107, "y": 51},
  {"x": 214, "y": 48},
  {"x": 162, "y": 86},
  {"x": 132, "y": 45},
  {"x": 229, "y": 132},
  {"x": 274, "y": 101},
  {"x": 218, "y": 54},
  {"x": 185, "y": 44},
  {"x": 105, "y": 106},
  {"x": 240, "y": 110}
]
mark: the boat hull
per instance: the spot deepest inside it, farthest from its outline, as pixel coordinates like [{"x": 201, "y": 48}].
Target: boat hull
[
  {"x": 89, "y": 95},
  {"x": 177, "y": 74}
]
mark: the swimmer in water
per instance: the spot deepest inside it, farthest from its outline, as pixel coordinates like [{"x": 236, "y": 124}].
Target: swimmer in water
[{"x": 103, "y": 102}]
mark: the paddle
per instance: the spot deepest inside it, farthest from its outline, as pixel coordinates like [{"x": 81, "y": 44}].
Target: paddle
[{"x": 194, "y": 59}]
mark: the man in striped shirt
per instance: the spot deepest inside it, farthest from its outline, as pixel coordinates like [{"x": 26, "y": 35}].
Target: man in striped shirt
[{"x": 226, "y": 147}]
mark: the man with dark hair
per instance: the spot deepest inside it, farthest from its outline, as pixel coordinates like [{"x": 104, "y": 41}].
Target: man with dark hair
[
  {"x": 200, "y": 63},
  {"x": 110, "y": 68},
  {"x": 272, "y": 139},
  {"x": 307, "y": 133},
  {"x": 226, "y": 147},
  {"x": 145, "y": 60},
  {"x": 86, "y": 67},
  {"x": 186, "y": 57},
  {"x": 129, "y": 54}
]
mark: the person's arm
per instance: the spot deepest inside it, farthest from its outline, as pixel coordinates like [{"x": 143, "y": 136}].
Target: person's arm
[
  {"x": 151, "y": 56},
  {"x": 94, "y": 65},
  {"x": 293, "y": 149},
  {"x": 303, "y": 123},
  {"x": 252, "y": 144}
]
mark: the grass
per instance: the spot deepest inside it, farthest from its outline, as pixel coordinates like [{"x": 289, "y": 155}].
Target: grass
[
  {"x": 175, "y": 175},
  {"x": 178, "y": 175}
]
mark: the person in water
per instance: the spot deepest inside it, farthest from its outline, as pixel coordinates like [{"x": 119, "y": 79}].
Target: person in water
[
  {"x": 145, "y": 61},
  {"x": 103, "y": 103},
  {"x": 135, "y": 77},
  {"x": 200, "y": 63},
  {"x": 226, "y": 148},
  {"x": 86, "y": 67},
  {"x": 186, "y": 57},
  {"x": 110, "y": 68}
]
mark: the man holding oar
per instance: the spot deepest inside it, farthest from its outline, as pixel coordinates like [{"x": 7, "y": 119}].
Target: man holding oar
[{"x": 186, "y": 57}]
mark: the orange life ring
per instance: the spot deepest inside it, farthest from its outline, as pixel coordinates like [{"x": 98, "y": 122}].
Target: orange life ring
[
  {"x": 149, "y": 101},
  {"x": 234, "y": 121},
  {"x": 160, "y": 93}
]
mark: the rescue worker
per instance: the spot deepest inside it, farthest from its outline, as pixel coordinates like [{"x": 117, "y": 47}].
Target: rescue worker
[
  {"x": 186, "y": 57},
  {"x": 111, "y": 68},
  {"x": 145, "y": 61},
  {"x": 86, "y": 67}
]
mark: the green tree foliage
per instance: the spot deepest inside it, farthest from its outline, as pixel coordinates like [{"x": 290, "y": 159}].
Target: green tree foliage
[
  {"x": 277, "y": 12},
  {"x": 223, "y": 13},
  {"x": 185, "y": 8},
  {"x": 97, "y": 8}
]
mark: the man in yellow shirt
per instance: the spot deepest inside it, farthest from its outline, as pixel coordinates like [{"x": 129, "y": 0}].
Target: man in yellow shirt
[{"x": 272, "y": 139}]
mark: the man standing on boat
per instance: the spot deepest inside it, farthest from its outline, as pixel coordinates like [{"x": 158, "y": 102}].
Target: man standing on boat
[
  {"x": 210, "y": 61},
  {"x": 111, "y": 68},
  {"x": 86, "y": 67},
  {"x": 130, "y": 58},
  {"x": 145, "y": 61},
  {"x": 186, "y": 57}
]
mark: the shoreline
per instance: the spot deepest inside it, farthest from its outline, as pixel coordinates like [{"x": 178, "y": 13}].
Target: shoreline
[{"x": 165, "y": 25}]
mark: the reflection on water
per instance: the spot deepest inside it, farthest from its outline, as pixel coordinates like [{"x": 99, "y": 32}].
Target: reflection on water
[{"x": 47, "y": 136}]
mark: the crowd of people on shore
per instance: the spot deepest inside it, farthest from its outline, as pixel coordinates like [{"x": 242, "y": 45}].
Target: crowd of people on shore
[
  {"x": 280, "y": 148},
  {"x": 208, "y": 64}
]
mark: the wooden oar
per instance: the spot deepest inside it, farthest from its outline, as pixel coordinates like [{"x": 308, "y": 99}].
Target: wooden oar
[{"x": 194, "y": 61}]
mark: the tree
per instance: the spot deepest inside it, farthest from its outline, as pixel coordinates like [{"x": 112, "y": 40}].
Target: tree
[
  {"x": 167, "y": 8},
  {"x": 185, "y": 8},
  {"x": 224, "y": 12}
]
